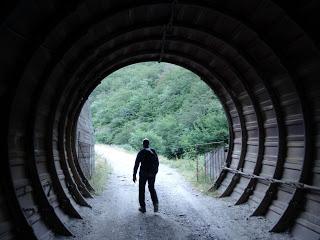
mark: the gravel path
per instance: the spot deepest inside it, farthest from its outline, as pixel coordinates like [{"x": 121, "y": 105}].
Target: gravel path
[{"x": 184, "y": 212}]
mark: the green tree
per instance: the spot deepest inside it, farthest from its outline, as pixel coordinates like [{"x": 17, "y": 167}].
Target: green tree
[{"x": 163, "y": 102}]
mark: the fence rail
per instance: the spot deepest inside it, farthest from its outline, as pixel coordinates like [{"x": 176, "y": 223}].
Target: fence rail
[{"x": 214, "y": 162}]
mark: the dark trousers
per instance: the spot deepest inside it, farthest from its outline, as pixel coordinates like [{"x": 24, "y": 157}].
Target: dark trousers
[{"x": 142, "y": 185}]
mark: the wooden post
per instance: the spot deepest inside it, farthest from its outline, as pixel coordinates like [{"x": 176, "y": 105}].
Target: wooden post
[
  {"x": 197, "y": 169},
  {"x": 205, "y": 168}
]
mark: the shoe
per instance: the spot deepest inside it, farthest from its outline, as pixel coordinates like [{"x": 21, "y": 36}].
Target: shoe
[
  {"x": 142, "y": 209},
  {"x": 156, "y": 208}
]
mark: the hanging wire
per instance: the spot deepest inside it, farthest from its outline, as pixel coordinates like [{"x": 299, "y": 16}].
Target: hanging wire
[{"x": 272, "y": 180}]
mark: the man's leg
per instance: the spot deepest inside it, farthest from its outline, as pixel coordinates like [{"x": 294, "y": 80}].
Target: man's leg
[
  {"x": 142, "y": 186},
  {"x": 153, "y": 193}
]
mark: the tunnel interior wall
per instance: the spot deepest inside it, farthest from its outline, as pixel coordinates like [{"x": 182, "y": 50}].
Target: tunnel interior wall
[
  {"x": 261, "y": 57},
  {"x": 85, "y": 141}
]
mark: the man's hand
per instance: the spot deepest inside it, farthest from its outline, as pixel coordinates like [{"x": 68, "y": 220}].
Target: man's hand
[{"x": 134, "y": 179}]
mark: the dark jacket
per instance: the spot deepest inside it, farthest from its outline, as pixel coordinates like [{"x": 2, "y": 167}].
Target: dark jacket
[{"x": 149, "y": 161}]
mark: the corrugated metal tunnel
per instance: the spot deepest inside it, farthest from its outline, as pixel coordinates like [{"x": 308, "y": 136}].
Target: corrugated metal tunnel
[{"x": 261, "y": 58}]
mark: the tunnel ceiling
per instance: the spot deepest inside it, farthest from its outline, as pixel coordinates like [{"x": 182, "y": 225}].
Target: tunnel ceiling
[{"x": 261, "y": 58}]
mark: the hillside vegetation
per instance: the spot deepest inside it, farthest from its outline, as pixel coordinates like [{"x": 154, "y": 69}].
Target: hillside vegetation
[{"x": 163, "y": 102}]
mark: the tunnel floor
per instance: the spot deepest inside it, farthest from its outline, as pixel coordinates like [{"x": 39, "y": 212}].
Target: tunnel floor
[{"x": 184, "y": 212}]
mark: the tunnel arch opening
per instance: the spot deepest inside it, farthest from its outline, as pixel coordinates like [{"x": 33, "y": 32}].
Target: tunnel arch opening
[
  {"x": 262, "y": 64},
  {"x": 149, "y": 103}
]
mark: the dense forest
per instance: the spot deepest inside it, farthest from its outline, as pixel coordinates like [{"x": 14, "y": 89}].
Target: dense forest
[{"x": 163, "y": 102}]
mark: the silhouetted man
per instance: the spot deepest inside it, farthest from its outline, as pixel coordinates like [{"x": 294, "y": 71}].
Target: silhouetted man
[{"x": 149, "y": 161}]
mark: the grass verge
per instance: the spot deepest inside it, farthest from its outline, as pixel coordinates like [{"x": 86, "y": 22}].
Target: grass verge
[{"x": 100, "y": 175}]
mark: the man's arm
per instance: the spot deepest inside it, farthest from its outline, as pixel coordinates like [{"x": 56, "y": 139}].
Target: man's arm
[{"x": 136, "y": 166}]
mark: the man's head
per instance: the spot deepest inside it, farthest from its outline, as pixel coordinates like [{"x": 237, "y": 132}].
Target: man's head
[{"x": 145, "y": 143}]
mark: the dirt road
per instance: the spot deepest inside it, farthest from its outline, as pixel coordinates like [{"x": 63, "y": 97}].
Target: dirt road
[{"x": 184, "y": 212}]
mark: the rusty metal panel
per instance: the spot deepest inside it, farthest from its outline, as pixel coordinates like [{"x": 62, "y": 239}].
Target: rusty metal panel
[
  {"x": 214, "y": 162},
  {"x": 85, "y": 142}
]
